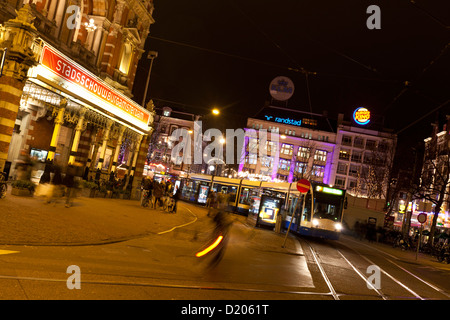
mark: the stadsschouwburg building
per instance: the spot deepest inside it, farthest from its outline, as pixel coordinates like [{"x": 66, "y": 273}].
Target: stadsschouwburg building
[
  {"x": 352, "y": 152},
  {"x": 67, "y": 72}
]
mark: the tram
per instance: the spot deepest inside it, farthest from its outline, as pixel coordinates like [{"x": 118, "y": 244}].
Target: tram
[{"x": 264, "y": 201}]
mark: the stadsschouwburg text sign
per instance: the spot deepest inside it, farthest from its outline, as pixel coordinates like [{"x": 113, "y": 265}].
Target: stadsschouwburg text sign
[{"x": 71, "y": 72}]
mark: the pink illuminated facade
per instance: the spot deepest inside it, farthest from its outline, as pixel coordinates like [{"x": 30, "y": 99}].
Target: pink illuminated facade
[{"x": 302, "y": 145}]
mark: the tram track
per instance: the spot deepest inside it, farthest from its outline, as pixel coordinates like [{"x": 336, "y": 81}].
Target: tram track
[{"x": 408, "y": 281}]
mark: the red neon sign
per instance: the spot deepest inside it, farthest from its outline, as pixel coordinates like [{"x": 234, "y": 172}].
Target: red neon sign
[{"x": 66, "y": 69}]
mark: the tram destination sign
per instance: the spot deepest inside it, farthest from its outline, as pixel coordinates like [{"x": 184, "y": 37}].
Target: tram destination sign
[{"x": 90, "y": 86}]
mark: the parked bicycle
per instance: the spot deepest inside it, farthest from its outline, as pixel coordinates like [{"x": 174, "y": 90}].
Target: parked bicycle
[{"x": 3, "y": 185}]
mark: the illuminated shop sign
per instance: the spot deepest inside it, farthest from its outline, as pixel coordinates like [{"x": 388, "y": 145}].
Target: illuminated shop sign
[
  {"x": 281, "y": 88},
  {"x": 337, "y": 192},
  {"x": 93, "y": 87},
  {"x": 361, "y": 116},
  {"x": 284, "y": 120}
]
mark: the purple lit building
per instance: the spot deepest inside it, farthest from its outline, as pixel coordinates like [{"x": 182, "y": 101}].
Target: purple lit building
[{"x": 338, "y": 152}]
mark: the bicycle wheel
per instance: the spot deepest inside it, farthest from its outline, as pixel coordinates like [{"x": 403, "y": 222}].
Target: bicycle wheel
[{"x": 2, "y": 191}]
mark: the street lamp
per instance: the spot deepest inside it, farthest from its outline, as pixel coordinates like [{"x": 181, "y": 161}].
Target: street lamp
[
  {"x": 151, "y": 55},
  {"x": 216, "y": 111}
]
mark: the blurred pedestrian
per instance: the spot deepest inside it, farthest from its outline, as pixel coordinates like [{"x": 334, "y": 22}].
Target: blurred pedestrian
[
  {"x": 54, "y": 190},
  {"x": 176, "y": 197},
  {"x": 158, "y": 193},
  {"x": 69, "y": 182},
  {"x": 212, "y": 203}
]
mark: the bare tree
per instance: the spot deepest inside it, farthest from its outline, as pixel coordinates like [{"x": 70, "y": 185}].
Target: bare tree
[
  {"x": 434, "y": 181},
  {"x": 376, "y": 170}
]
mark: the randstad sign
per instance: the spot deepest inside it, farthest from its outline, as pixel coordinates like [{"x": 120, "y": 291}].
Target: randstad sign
[{"x": 284, "y": 120}]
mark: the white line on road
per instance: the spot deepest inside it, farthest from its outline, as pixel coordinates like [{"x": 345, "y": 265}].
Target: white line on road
[
  {"x": 183, "y": 225},
  {"x": 395, "y": 280},
  {"x": 363, "y": 277},
  {"x": 324, "y": 275},
  {"x": 427, "y": 283}
]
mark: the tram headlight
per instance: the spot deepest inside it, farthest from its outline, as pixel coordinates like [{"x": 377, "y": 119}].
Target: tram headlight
[
  {"x": 315, "y": 222},
  {"x": 338, "y": 226}
]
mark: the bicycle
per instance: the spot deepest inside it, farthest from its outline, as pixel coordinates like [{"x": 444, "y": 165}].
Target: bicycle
[{"x": 3, "y": 185}]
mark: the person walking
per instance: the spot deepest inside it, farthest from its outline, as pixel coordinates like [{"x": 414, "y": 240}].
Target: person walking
[
  {"x": 176, "y": 197},
  {"x": 147, "y": 186},
  {"x": 158, "y": 193},
  {"x": 56, "y": 190},
  {"x": 69, "y": 182}
]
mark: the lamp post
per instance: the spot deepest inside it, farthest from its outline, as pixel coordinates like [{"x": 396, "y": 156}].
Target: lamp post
[{"x": 151, "y": 55}]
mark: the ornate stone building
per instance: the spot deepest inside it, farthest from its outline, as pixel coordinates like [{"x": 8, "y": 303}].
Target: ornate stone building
[{"x": 66, "y": 81}]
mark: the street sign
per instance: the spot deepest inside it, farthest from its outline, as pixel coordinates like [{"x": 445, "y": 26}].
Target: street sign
[
  {"x": 422, "y": 218},
  {"x": 281, "y": 88},
  {"x": 303, "y": 185}
]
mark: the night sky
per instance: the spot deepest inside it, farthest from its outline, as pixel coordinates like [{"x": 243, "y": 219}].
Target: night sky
[{"x": 225, "y": 53}]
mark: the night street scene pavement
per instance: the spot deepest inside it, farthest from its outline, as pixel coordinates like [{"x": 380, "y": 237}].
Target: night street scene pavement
[{"x": 124, "y": 251}]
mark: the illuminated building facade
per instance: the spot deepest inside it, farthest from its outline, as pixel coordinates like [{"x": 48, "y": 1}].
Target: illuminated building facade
[
  {"x": 66, "y": 83},
  {"x": 160, "y": 162},
  {"x": 314, "y": 147}
]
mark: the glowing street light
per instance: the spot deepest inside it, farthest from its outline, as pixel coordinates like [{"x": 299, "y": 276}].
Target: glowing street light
[{"x": 216, "y": 111}]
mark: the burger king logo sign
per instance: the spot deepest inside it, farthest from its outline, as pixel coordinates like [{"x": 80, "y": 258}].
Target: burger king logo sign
[{"x": 361, "y": 116}]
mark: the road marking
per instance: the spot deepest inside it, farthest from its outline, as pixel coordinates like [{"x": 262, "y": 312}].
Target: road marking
[
  {"x": 324, "y": 275},
  {"x": 7, "y": 251},
  {"x": 363, "y": 277},
  {"x": 427, "y": 283},
  {"x": 395, "y": 280},
  {"x": 183, "y": 225}
]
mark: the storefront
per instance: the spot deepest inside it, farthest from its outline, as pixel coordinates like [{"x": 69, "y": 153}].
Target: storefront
[{"x": 67, "y": 115}]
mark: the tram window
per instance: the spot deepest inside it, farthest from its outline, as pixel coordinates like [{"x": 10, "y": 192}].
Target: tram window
[
  {"x": 326, "y": 209},
  {"x": 244, "y": 198}
]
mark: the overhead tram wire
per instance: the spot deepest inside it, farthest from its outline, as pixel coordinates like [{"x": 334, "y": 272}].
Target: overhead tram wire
[
  {"x": 408, "y": 85},
  {"x": 273, "y": 65},
  {"x": 302, "y": 70},
  {"x": 413, "y": 2},
  {"x": 424, "y": 116}
]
